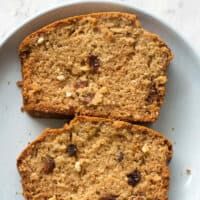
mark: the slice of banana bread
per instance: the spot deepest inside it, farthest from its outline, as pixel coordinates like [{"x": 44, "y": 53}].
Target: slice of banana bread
[
  {"x": 101, "y": 64},
  {"x": 96, "y": 158}
]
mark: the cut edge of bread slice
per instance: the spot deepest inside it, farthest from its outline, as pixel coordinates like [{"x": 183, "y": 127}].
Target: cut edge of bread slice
[{"x": 30, "y": 150}]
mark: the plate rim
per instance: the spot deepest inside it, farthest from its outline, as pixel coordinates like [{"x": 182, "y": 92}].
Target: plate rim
[{"x": 114, "y": 2}]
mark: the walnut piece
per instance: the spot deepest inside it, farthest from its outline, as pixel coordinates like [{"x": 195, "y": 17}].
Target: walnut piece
[
  {"x": 77, "y": 166},
  {"x": 40, "y": 40},
  {"x": 93, "y": 62},
  {"x": 145, "y": 148},
  {"x": 60, "y": 77},
  {"x": 68, "y": 94}
]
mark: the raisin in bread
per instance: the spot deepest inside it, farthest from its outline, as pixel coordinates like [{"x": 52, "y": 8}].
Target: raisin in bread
[
  {"x": 102, "y": 64},
  {"x": 96, "y": 158}
]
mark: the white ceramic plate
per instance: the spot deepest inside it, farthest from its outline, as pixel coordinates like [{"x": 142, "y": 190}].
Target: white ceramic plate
[{"x": 179, "y": 119}]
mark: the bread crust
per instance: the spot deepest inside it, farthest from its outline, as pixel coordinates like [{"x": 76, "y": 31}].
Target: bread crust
[{"x": 70, "y": 20}]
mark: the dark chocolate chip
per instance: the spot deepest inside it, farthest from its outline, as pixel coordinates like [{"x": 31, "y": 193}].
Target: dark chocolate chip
[
  {"x": 22, "y": 109},
  {"x": 119, "y": 156},
  {"x": 93, "y": 62},
  {"x": 134, "y": 178},
  {"x": 49, "y": 164},
  {"x": 109, "y": 197},
  {"x": 71, "y": 150}
]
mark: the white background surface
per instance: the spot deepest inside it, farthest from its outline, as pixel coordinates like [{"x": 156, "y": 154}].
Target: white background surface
[{"x": 183, "y": 15}]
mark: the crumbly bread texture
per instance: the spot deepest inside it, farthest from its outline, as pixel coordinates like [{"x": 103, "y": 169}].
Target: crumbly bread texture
[
  {"x": 101, "y": 64},
  {"x": 99, "y": 159}
]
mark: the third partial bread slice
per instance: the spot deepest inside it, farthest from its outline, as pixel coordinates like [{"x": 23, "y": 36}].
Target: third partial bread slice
[
  {"x": 99, "y": 159},
  {"x": 101, "y": 64}
]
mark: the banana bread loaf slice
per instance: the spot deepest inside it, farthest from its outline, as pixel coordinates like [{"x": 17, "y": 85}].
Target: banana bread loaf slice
[
  {"x": 102, "y": 64},
  {"x": 96, "y": 158}
]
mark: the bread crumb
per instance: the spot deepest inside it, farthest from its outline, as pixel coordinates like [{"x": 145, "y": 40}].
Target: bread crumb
[
  {"x": 60, "y": 77},
  {"x": 19, "y": 84},
  {"x": 40, "y": 40},
  {"x": 22, "y": 109},
  {"x": 19, "y": 193},
  {"x": 188, "y": 171},
  {"x": 78, "y": 166}
]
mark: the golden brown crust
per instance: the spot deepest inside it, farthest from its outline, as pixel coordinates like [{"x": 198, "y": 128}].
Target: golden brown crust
[
  {"x": 47, "y": 109},
  {"x": 27, "y": 41}
]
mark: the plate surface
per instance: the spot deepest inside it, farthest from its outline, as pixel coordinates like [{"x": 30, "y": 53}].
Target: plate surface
[{"x": 179, "y": 119}]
